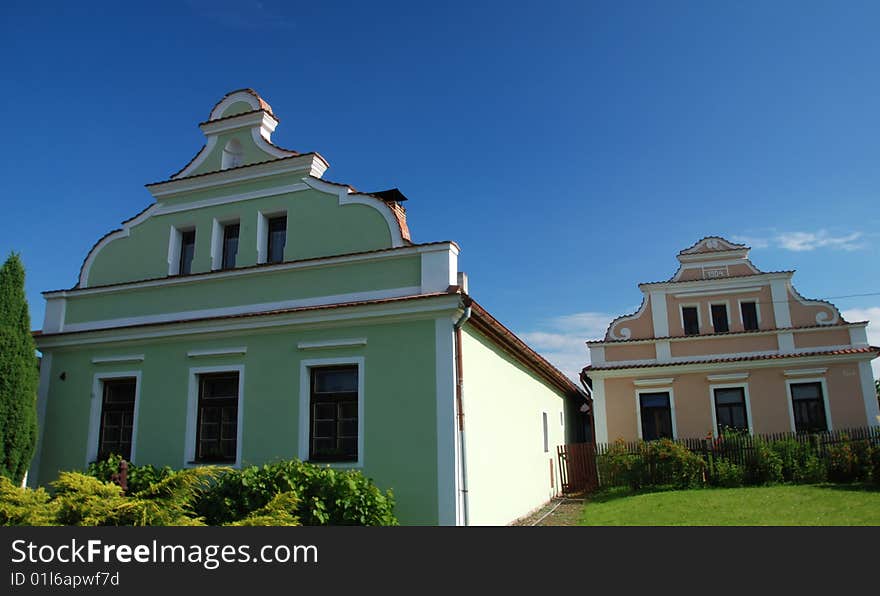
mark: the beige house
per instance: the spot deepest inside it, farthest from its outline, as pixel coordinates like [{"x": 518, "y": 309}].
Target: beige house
[{"x": 723, "y": 344}]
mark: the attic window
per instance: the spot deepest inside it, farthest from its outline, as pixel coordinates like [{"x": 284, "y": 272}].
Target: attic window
[{"x": 233, "y": 155}]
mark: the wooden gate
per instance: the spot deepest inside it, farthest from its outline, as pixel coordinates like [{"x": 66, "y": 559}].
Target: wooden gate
[{"x": 577, "y": 468}]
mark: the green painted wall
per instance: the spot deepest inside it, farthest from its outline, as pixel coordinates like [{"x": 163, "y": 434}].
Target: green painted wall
[
  {"x": 250, "y": 152},
  {"x": 316, "y": 226},
  {"x": 259, "y": 287},
  {"x": 400, "y": 442}
]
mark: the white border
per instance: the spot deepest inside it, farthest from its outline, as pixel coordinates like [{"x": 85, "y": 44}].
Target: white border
[
  {"x": 826, "y": 398},
  {"x": 118, "y": 359},
  {"x": 745, "y": 388},
  {"x": 304, "y": 431},
  {"x": 97, "y": 404},
  {"x": 664, "y": 389},
  {"x": 192, "y": 414}
]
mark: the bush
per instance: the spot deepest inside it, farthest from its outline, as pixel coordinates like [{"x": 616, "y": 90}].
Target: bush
[
  {"x": 728, "y": 474},
  {"x": 657, "y": 463},
  {"x": 24, "y": 506},
  {"x": 139, "y": 478},
  {"x": 800, "y": 461},
  {"x": 875, "y": 464},
  {"x": 850, "y": 461},
  {"x": 325, "y": 496},
  {"x": 277, "y": 512},
  {"x": 764, "y": 466}
]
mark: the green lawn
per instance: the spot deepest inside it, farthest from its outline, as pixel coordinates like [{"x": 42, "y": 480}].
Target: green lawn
[{"x": 813, "y": 505}]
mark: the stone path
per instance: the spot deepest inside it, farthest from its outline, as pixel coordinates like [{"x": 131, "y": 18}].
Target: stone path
[{"x": 558, "y": 512}]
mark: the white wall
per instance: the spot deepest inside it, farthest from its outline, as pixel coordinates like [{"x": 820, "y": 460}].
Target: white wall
[{"x": 508, "y": 471}]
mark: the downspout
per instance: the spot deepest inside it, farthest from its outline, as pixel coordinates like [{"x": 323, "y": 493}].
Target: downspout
[{"x": 459, "y": 400}]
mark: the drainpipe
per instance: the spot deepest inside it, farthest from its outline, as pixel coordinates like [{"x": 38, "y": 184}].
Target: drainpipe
[{"x": 459, "y": 399}]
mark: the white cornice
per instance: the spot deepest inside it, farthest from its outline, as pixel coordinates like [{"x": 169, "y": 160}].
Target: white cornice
[
  {"x": 734, "y": 335},
  {"x": 245, "y": 196},
  {"x": 118, "y": 359},
  {"x": 694, "y": 293},
  {"x": 715, "y": 283},
  {"x": 237, "y": 351},
  {"x": 700, "y": 367},
  {"x": 653, "y": 382},
  {"x": 429, "y": 307},
  {"x": 246, "y": 120},
  {"x": 332, "y": 343},
  {"x": 728, "y": 377},
  {"x": 805, "y": 372},
  {"x": 285, "y": 165},
  {"x": 737, "y": 255},
  {"x": 389, "y": 253}
]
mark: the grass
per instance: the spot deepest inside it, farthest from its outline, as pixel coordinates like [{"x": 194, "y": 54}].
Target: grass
[{"x": 784, "y": 505}]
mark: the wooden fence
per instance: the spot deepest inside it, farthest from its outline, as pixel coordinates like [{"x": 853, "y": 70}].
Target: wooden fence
[{"x": 580, "y": 470}]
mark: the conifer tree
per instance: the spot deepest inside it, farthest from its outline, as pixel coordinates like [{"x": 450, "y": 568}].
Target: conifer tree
[{"x": 18, "y": 374}]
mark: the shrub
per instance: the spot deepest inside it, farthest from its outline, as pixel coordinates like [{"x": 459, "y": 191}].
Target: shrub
[
  {"x": 24, "y": 506},
  {"x": 849, "y": 461},
  {"x": 139, "y": 478},
  {"x": 325, "y": 496},
  {"x": 618, "y": 467},
  {"x": 764, "y": 466},
  {"x": 728, "y": 474},
  {"x": 875, "y": 464},
  {"x": 668, "y": 462},
  {"x": 800, "y": 461},
  {"x": 277, "y": 512}
]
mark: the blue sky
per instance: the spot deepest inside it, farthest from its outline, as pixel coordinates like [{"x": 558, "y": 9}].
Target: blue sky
[{"x": 570, "y": 148}]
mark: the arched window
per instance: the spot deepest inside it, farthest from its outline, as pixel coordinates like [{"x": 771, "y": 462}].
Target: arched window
[{"x": 233, "y": 155}]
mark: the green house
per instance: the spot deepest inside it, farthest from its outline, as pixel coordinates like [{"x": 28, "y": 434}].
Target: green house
[{"x": 256, "y": 311}]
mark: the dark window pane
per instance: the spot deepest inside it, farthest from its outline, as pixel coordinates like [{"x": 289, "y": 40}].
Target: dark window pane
[
  {"x": 217, "y": 425},
  {"x": 730, "y": 409},
  {"x": 117, "y": 418},
  {"x": 230, "y": 245},
  {"x": 335, "y": 380},
  {"x": 187, "y": 251},
  {"x": 334, "y": 414},
  {"x": 656, "y": 416},
  {"x": 691, "y": 320},
  {"x": 719, "y": 318},
  {"x": 749, "y": 315},
  {"x": 277, "y": 239},
  {"x": 808, "y": 406}
]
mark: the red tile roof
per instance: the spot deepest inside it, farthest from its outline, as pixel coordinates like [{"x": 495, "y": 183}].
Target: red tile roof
[{"x": 839, "y": 352}]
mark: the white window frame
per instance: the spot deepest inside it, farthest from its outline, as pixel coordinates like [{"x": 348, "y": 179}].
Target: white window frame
[
  {"x": 757, "y": 303},
  {"x": 826, "y": 399},
  {"x": 263, "y": 218},
  {"x": 305, "y": 431},
  {"x": 696, "y": 305},
  {"x": 218, "y": 228},
  {"x": 742, "y": 385},
  {"x": 95, "y": 411},
  {"x": 726, "y": 305},
  {"x": 175, "y": 243},
  {"x": 545, "y": 426},
  {"x": 663, "y": 389},
  {"x": 192, "y": 412}
]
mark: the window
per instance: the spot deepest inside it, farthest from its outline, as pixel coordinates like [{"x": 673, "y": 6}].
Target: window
[
  {"x": 276, "y": 240},
  {"x": 187, "y": 251},
  {"x": 691, "y": 318},
  {"x": 230, "y": 245},
  {"x": 808, "y": 407},
  {"x": 749, "y": 311},
  {"x": 546, "y": 433},
  {"x": 730, "y": 409},
  {"x": 333, "y": 410},
  {"x": 719, "y": 318},
  {"x": 117, "y": 418},
  {"x": 656, "y": 414},
  {"x": 217, "y": 424}
]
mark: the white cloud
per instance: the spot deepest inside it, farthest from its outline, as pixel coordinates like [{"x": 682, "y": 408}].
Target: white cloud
[
  {"x": 562, "y": 339},
  {"x": 805, "y": 241},
  {"x": 871, "y": 314}
]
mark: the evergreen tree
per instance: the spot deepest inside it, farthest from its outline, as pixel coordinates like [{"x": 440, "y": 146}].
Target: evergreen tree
[{"x": 18, "y": 374}]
